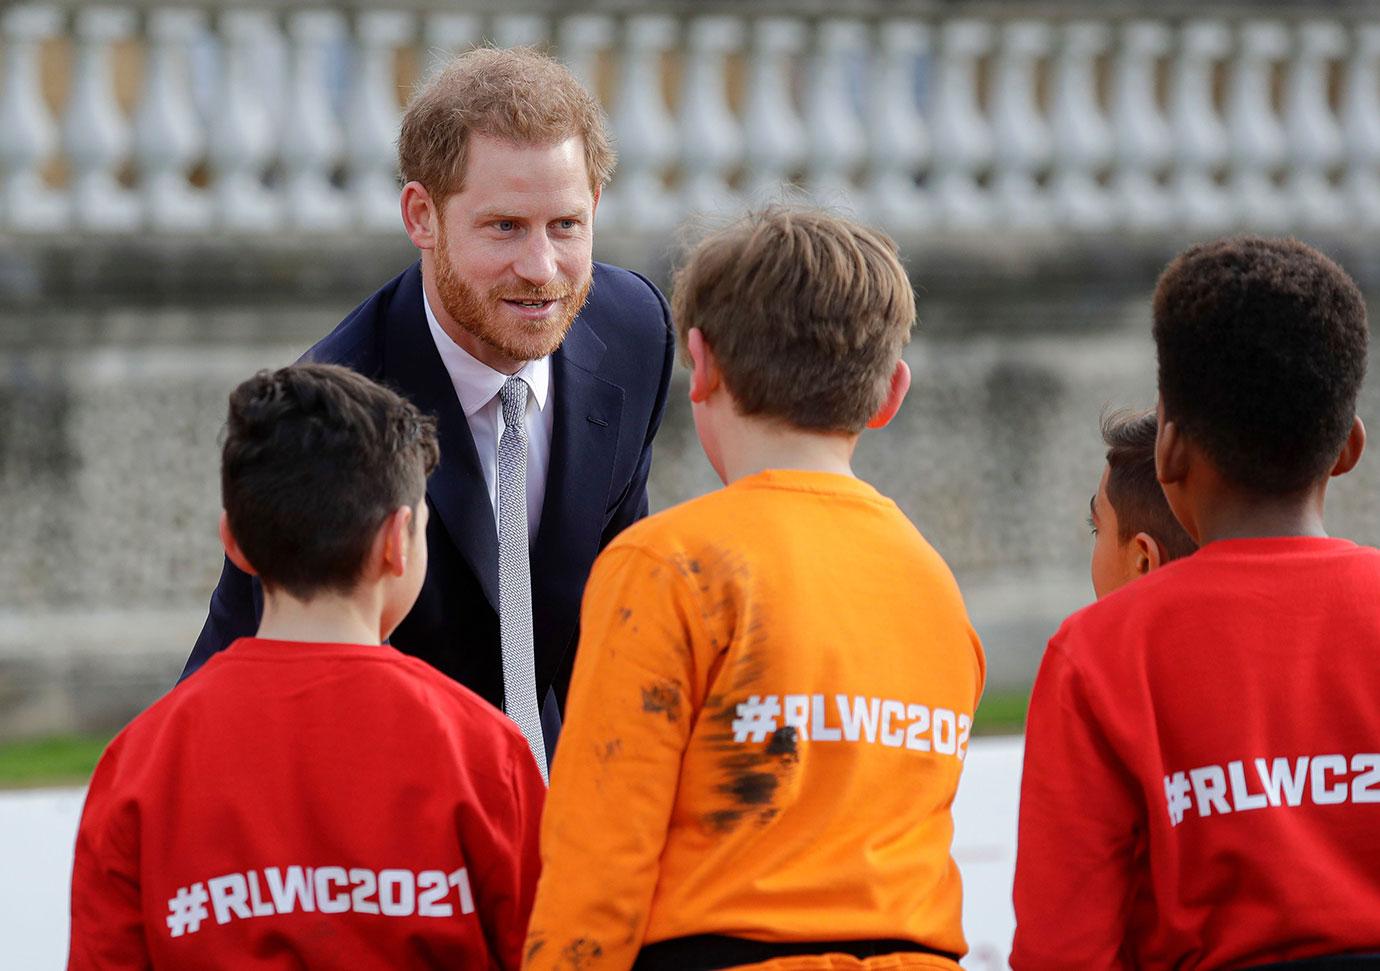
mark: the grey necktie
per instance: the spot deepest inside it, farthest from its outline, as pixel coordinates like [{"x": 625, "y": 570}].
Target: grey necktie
[{"x": 514, "y": 572}]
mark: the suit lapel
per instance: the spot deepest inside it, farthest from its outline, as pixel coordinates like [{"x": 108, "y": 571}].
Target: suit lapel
[
  {"x": 456, "y": 489},
  {"x": 584, "y": 443}
]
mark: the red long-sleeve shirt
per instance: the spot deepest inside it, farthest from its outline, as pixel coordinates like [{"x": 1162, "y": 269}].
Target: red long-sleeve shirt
[
  {"x": 1202, "y": 769},
  {"x": 309, "y": 805}
]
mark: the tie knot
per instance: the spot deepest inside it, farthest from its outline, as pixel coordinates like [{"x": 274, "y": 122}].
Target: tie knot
[{"x": 513, "y": 394}]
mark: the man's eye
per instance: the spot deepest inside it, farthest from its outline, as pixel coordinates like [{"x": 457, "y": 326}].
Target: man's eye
[
  {"x": 1092, "y": 526},
  {"x": 505, "y": 225},
  {"x": 568, "y": 224}
]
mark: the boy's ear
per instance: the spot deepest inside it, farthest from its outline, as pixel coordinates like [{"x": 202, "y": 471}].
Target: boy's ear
[
  {"x": 394, "y": 542},
  {"x": 419, "y": 215},
  {"x": 1352, "y": 448},
  {"x": 232, "y": 548},
  {"x": 1171, "y": 453},
  {"x": 896, "y": 393},
  {"x": 704, "y": 369},
  {"x": 1148, "y": 553}
]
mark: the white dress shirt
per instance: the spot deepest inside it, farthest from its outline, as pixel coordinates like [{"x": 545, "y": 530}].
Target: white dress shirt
[{"x": 477, "y": 386}]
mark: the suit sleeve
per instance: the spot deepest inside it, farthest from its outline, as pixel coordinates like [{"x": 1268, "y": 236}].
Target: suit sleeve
[
  {"x": 107, "y": 920},
  {"x": 613, "y": 784},
  {"x": 1080, "y": 832},
  {"x": 235, "y": 608},
  {"x": 632, "y": 506}
]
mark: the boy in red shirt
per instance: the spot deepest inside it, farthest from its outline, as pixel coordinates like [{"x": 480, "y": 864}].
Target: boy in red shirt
[
  {"x": 1134, "y": 530},
  {"x": 1202, "y": 769},
  {"x": 313, "y": 798}
]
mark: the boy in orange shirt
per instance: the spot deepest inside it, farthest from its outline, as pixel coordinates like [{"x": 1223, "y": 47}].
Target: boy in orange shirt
[
  {"x": 776, "y": 681},
  {"x": 1134, "y": 530}
]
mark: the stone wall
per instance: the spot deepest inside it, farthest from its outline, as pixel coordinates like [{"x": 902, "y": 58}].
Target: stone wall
[{"x": 115, "y": 362}]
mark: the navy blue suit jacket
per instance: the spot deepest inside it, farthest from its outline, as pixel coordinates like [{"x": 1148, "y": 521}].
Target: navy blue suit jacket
[{"x": 609, "y": 381}]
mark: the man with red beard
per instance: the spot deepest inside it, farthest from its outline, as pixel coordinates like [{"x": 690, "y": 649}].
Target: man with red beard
[{"x": 547, "y": 373}]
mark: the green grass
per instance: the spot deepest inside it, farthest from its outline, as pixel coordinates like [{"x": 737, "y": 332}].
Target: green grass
[
  {"x": 63, "y": 760},
  {"x": 1001, "y": 713}
]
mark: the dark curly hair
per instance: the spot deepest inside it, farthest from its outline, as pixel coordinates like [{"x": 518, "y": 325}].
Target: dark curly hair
[
  {"x": 315, "y": 458},
  {"x": 1262, "y": 347}
]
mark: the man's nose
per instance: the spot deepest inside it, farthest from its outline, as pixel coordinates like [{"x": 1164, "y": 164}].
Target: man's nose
[{"x": 536, "y": 264}]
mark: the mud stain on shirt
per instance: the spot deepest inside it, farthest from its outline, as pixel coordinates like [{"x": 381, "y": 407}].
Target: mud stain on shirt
[
  {"x": 662, "y": 697},
  {"x": 580, "y": 952}
]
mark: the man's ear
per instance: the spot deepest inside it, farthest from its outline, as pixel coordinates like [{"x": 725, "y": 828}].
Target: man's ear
[
  {"x": 232, "y": 548},
  {"x": 420, "y": 216},
  {"x": 896, "y": 393},
  {"x": 1352, "y": 448},
  {"x": 1149, "y": 555},
  {"x": 394, "y": 542},
  {"x": 704, "y": 368},
  {"x": 1171, "y": 453},
  {"x": 594, "y": 208}
]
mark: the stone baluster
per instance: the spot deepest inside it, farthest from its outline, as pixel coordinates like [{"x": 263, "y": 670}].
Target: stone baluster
[
  {"x": 1257, "y": 137},
  {"x": 1019, "y": 132},
  {"x": 520, "y": 30},
  {"x": 710, "y": 135},
  {"x": 1315, "y": 136},
  {"x": 168, "y": 137},
  {"x": 960, "y": 135},
  {"x": 836, "y": 141},
  {"x": 899, "y": 144},
  {"x": 311, "y": 142},
  {"x": 374, "y": 116},
  {"x": 449, "y": 34},
  {"x": 583, "y": 38},
  {"x": 1138, "y": 126},
  {"x": 776, "y": 145},
  {"x": 241, "y": 140},
  {"x": 1083, "y": 146},
  {"x": 96, "y": 135},
  {"x": 1200, "y": 137},
  {"x": 1361, "y": 124},
  {"x": 28, "y": 135},
  {"x": 644, "y": 129}
]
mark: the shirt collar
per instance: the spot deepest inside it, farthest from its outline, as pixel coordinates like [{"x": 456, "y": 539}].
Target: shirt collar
[{"x": 476, "y": 384}]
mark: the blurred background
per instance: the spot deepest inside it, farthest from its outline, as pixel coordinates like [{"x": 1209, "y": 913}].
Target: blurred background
[{"x": 193, "y": 191}]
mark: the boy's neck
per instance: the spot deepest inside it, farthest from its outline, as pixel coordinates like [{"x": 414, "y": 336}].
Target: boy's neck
[
  {"x": 1233, "y": 515},
  {"x": 328, "y": 618},
  {"x": 754, "y": 445}
]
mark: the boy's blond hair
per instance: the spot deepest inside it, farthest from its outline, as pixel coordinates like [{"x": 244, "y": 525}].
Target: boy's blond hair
[
  {"x": 516, "y": 94},
  {"x": 805, "y": 312}
]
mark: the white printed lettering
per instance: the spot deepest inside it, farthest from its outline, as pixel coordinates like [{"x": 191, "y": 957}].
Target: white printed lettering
[
  {"x": 364, "y": 887},
  {"x": 860, "y": 720},
  {"x": 257, "y": 903},
  {"x": 818, "y": 730},
  {"x": 919, "y": 728},
  {"x": 945, "y": 732},
  {"x": 397, "y": 892},
  {"x": 1362, "y": 787},
  {"x": 1323, "y": 794},
  {"x": 326, "y": 901},
  {"x": 796, "y": 714},
  {"x": 290, "y": 893},
  {"x": 892, "y": 738},
  {"x": 1277, "y": 779},
  {"x": 1242, "y": 798},
  {"x": 965, "y": 727},
  {"x": 1209, "y": 788},
  {"x": 460, "y": 879},
  {"x": 432, "y": 889},
  {"x": 229, "y": 894}
]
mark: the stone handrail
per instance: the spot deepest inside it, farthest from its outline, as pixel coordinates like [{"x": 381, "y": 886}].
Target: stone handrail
[{"x": 255, "y": 118}]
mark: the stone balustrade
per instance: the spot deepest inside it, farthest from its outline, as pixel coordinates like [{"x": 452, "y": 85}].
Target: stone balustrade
[{"x": 251, "y": 118}]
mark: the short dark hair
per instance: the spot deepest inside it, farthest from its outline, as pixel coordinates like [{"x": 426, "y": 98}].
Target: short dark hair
[
  {"x": 1132, "y": 488},
  {"x": 1262, "y": 348},
  {"x": 316, "y": 457},
  {"x": 806, "y": 313}
]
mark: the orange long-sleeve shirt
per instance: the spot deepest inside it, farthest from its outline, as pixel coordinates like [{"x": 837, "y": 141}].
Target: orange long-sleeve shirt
[{"x": 766, "y": 726}]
